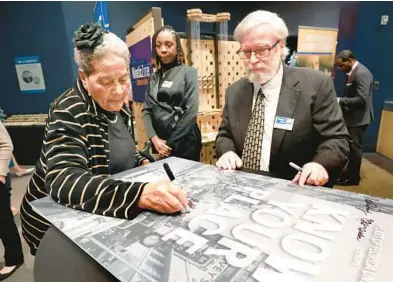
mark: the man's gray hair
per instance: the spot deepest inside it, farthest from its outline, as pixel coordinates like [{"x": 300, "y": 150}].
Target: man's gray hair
[
  {"x": 111, "y": 44},
  {"x": 270, "y": 22}
]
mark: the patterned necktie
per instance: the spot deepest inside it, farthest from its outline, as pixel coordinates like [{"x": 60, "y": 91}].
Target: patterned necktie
[{"x": 253, "y": 144}]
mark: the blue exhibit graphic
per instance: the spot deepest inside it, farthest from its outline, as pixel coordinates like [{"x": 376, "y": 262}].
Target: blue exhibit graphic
[{"x": 30, "y": 76}]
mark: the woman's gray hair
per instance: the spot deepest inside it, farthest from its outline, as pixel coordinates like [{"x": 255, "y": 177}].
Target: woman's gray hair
[
  {"x": 111, "y": 44},
  {"x": 269, "y": 22}
]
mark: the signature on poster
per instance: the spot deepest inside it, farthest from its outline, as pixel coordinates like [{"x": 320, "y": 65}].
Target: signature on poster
[
  {"x": 364, "y": 224},
  {"x": 369, "y": 207}
]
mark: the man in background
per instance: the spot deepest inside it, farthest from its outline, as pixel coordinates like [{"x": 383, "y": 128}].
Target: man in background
[
  {"x": 357, "y": 108},
  {"x": 279, "y": 114}
]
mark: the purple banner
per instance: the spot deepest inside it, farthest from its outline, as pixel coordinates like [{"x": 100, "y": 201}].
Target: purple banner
[{"x": 140, "y": 67}]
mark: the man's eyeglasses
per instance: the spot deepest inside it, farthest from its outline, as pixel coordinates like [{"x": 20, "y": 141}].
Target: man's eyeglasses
[{"x": 259, "y": 53}]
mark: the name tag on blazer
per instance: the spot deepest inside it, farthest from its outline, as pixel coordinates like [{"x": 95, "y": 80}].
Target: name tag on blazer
[
  {"x": 348, "y": 84},
  {"x": 167, "y": 84},
  {"x": 284, "y": 123}
]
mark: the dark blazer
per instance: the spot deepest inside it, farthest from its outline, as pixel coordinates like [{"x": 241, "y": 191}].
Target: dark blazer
[
  {"x": 73, "y": 168},
  {"x": 357, "y": 103},
  {"x": 171, "y": 108},
  {"x": 319, "y": 133}
]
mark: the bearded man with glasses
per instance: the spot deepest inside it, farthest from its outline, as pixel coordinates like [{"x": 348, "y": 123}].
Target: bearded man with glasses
[{"x": 277, "y": 114}]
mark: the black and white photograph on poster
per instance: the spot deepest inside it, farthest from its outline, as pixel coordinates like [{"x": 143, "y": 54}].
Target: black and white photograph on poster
[
  {"x": 241, "y": 227},
  {"x": 30, "y": 75}
]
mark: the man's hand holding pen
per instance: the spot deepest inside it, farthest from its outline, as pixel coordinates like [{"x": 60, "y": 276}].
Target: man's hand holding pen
[{"x": 311, "y": 174}]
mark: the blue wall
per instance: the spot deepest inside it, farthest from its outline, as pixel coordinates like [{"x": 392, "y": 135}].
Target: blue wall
[
  {"x": 373, "y": 47},
  {"x": 346, "y": 39},
  {"x": 121, "y": 16},
  {"x": 33, "y": 29}
]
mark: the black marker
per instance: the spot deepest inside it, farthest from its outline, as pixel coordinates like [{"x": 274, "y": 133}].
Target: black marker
[
  {"x": 172, "y": 177},
  {"x": 169, "y": 172}
]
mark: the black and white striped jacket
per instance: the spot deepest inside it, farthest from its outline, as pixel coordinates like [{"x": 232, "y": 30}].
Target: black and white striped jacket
[{"x": 73, "y": 167}]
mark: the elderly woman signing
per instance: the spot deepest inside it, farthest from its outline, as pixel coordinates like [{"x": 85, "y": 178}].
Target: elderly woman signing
[{"x": 87, "y": 138}]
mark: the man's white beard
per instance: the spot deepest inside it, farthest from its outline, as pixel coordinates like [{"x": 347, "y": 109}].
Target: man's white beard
[{"x": 260, "y": 77}]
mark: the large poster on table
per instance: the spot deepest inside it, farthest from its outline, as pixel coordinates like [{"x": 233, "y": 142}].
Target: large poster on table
[
  {"x": 317, "y": 48},
  {"x": 140, "y": 67},
  {"x": 238, "y": 227}
]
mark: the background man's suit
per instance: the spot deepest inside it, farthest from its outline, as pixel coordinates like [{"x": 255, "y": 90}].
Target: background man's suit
[
  {"x": 358, "y": 112},
  {"x": 319, "y": 133}
]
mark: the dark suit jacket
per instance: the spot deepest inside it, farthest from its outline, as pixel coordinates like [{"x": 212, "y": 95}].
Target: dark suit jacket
[
  {"x": 357, "y": 103},
  {"x": 319, "y": 133}
]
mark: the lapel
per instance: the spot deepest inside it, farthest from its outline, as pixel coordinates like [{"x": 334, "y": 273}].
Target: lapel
[
  {"x": 289, "y": 96},
  {"x": 154, "y": 84},
  {"x": 154, "y": 89},
  {"x": 91, "y": 105},
  {"x": 350, "y": 80},
  {"x": 245, "y": 108},
  {"x": 353, "y": 74}
]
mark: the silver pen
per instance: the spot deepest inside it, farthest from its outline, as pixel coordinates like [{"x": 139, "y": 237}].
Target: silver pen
[{"x": 295, "y": 166}]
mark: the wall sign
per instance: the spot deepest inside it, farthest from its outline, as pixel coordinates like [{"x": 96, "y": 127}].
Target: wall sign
[{"x": 30, "y": 76}]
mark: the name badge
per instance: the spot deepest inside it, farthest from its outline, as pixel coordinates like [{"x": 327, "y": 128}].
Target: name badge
[
  {"x": 167, "y": 84},
  {"x": 284, "y": 123}
]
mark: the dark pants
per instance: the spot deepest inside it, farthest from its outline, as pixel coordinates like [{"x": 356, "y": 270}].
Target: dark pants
[
  {"x": 355, "y": 156},
  {"x": 8, "y": 180},
  {"x": 8, "y": 232}
]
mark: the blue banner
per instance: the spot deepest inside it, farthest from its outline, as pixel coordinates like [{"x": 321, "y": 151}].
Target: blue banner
[{"x": 101, "y": 14}]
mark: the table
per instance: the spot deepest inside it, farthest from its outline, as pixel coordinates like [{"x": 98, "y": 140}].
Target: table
[{"x": 325, "y": 234}]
